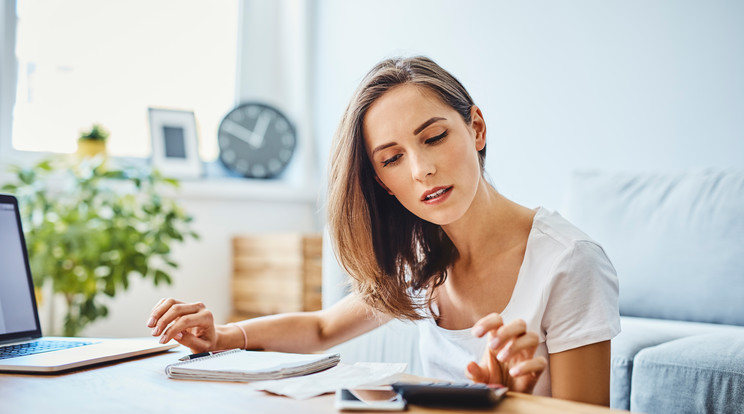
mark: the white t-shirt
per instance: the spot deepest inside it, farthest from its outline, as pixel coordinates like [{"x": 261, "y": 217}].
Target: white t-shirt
[{"x": 566, "y": 292}]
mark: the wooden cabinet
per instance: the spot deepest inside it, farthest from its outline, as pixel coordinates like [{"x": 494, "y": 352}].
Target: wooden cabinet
[{"x": 275, "y": 273}]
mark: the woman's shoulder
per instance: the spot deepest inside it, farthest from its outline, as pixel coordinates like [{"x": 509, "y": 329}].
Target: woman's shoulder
[
  {"x": 558, "y": 233},
  {"x": 551, "y": 224},
  {"x": 554, "y": 236}
]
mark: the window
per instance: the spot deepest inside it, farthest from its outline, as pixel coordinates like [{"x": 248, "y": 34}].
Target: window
[{"x": 82, "y": 62}]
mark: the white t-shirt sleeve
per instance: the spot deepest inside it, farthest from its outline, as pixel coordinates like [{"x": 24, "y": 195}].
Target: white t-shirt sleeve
[{"x": 581, "y": 301}]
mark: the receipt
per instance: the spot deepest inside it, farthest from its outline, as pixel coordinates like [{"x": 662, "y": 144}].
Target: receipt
[{"x": 340, "y": 376}]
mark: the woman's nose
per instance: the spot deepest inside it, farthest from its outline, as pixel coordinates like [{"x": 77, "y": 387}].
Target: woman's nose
[{"x": 421, "y": 167}]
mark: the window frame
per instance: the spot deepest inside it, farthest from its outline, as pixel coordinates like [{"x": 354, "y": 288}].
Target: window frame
[{"x": 8, "y": 80}]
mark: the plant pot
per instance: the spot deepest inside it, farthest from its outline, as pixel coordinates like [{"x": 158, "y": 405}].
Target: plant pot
[{"x": 87, "y": 148}]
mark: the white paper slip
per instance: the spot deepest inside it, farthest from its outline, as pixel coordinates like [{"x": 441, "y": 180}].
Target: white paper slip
[
  {"x": 340, "y": 376},
  {"x": 240, "y": 365}
]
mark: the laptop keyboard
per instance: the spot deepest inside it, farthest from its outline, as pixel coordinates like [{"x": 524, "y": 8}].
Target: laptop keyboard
[{"x": 37, "y": 347}]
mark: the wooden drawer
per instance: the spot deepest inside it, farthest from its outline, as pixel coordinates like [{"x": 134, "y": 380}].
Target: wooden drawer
[{"x": 275, "y": 273}]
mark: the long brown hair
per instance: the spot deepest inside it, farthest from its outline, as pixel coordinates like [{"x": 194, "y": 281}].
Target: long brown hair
[{"x": 390, "y": 253}]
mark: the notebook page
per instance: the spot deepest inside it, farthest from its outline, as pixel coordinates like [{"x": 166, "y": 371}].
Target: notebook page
[
  {"x": 252, "y": 361},
  {"x": 239, "y": 365}
]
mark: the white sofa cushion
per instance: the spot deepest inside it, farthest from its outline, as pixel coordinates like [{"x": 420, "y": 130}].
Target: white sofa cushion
[{"x": 676, "y": 240}]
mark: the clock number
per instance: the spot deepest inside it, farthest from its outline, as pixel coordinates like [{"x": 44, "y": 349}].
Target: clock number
[
  {"x": 229, "y": 155},
  {"x": 252, "y": 111},
  {"x": 274, "y": 165},
  {"x": 258, "y": 170},
  {"x": 237, "y": 116},
  {"x": 285, "y": 154},
  {"x": 287, "y": 140},
  {"x": 281, "y": 126}
]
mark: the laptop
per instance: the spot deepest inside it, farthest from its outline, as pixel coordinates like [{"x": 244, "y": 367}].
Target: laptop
[{"x": 22, "y": 346}]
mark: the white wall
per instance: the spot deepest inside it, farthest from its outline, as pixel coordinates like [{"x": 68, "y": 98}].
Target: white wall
[
  {"x": 581, "y": 84},
  {"x": 205, "y": 265},
  {"x": 563, "y": 85}
]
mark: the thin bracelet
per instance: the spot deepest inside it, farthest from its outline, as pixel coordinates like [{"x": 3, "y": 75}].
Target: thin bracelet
[{"x": 245, "y": 335}]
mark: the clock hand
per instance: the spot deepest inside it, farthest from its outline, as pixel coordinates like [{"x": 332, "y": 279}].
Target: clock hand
[
  {"x": 262, "y": 124},
  {"x": 238, "y": 131}
]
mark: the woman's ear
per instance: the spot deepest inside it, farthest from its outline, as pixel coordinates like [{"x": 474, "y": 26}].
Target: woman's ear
[
  {"x": 479, "y": 126},
  {"x": 379, "y": 181}
]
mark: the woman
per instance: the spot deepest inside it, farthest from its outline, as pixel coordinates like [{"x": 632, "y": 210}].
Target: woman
[{"x": 425, "y": 237}]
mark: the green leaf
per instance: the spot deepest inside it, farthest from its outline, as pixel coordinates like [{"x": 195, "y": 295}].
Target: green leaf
[
  {"x": 162, "y": 277},
  {"x": 45, "y": 165},
  {"x": 115, "y": 174},
  {"x": 88, "y": 239}
]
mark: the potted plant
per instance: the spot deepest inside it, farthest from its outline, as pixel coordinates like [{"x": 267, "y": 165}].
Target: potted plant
[
  {"x": 89, "y": 229},
  {"x": 92, "y": 142}
]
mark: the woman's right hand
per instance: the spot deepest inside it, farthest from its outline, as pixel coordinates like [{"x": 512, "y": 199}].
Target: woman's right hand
[{"x": 190, "y": 324}]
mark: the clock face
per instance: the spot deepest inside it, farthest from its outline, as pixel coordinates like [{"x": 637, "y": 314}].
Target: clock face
[{"x": 256, "y": 140}]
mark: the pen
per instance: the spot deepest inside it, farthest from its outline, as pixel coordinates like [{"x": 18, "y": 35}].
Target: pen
[{"x": 199, "y": 355}]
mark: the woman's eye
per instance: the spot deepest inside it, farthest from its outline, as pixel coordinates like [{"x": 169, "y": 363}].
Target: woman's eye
[
  {"x": 436, "y": 139},
  {"x": 391, "y": 160}
]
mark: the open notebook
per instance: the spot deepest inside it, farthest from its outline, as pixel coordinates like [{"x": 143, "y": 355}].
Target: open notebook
[{"x": 240, "y": 365}]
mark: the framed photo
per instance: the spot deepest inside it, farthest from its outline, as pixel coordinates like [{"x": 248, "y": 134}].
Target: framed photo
[{"x": 175, "y": 149}]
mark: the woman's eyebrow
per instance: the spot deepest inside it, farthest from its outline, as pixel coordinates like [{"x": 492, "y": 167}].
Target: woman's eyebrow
[
  {"x": 382, "y": 147},
  {"x": 415, "y": 132},
  {"x": 427, "y": 123}
]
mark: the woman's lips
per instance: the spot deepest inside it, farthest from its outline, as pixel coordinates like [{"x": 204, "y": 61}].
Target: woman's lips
[{"x": 436, "y": 195}]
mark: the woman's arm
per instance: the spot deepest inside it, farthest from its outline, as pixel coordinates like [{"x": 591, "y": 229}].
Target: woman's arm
[
  {"x": 192, "y": 325},
  {"x": 582, "y": 374},
  {"x": 309, "y": 331}
]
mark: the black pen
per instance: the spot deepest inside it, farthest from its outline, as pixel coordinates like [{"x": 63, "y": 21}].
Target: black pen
[{"x": 199, "y": 355}]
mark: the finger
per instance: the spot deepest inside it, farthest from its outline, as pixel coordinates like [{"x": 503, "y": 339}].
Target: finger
[
  {"x": 151, "y": 321},
  {"x": 534, "y": 366},
  {"x": 506, "y": 333},
  {"x": 159, "y": 310},
  {"x": 173, "y": 312},
  {"x": 178, "y": 327},
  {"x": 525, "y": 345},
  {"x": 184, "y": 322},
  {"x": 475, "y": 373},
  {"x": 159, "y": 302},
  {"x": 193, "y": 342},
  {"x": 487, "y": 323},
  {"x": 489, "y": 371}
]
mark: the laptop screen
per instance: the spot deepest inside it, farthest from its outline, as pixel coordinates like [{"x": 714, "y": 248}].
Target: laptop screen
[{"x": 17, "y": 306}]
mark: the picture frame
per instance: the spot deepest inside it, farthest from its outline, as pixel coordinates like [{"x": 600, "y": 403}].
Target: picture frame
[{"x": 175, "y": 146}]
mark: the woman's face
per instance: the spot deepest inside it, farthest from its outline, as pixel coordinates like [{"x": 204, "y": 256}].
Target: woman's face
[{"x": 424, "y": 153}]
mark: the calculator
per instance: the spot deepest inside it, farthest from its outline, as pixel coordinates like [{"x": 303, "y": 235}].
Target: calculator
[{"x": 446, "y": 394}]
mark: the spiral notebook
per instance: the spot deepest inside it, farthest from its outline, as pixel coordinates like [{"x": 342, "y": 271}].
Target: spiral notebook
[{"x": 245, "y": 366}]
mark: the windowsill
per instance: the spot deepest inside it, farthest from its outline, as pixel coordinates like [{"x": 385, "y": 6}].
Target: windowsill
[
  {"x": 216, "y": 184},
  {"x": 245, "y": 189},
  {"x": 220, "y": 184}
]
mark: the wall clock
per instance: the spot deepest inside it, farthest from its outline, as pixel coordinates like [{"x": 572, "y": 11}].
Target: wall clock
[{"x": 256, "y": 140}]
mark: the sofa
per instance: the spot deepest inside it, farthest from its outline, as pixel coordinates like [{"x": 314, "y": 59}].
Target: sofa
[{"x": 677, "y": 243}]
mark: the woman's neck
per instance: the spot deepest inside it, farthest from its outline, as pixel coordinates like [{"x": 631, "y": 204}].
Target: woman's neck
[{"x": 493, "y": 225}]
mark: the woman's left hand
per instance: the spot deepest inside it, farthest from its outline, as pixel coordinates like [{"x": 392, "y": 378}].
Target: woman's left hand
[{"x": 509, "y": 358}]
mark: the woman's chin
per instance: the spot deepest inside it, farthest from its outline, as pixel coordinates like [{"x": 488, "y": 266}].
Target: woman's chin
[{"x": 442, "y": 218}]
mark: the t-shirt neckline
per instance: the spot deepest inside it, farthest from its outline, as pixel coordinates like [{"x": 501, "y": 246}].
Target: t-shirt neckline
[{"x": 539, "y": 211}]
